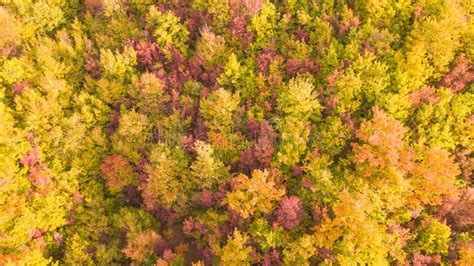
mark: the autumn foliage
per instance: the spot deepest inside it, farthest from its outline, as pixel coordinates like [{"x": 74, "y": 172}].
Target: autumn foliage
[{"x": 236, "y": 132}]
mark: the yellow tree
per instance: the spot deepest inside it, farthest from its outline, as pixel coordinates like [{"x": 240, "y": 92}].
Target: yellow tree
[{"x": 258, "y": 194}]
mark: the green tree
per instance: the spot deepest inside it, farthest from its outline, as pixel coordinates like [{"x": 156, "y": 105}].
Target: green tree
[
  {"x": 264, "y": 25},
  {"x": 433, "y": 237},
  {"x": 167, "y": 29},
  {"x": 297, "y": 103},
  {"x": 299, "y": 99},
  {"x": 239, "y": 77}
]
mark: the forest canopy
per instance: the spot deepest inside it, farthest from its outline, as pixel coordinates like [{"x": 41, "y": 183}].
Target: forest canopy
[{"x": 236, "y": 132}]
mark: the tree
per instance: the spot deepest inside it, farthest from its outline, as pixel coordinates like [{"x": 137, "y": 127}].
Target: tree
[
  {"x": 381, "y": 145},
  {"x": 218, "y": 111},
  {"x": 318, "y": 182},
  {"x": 439, "y": 123},
  {"x": 236, "y": 132},
  {"x": 466, "y": 255},
  {"x": 298, "y": 103},
  {"x": 210, "y": 47},
  {"x": 167, "y": 29},
  {"x": 434, "y": 177},
  {"x": 219, "y": 10},
  {"x": 290, "y": 212},
  {"x": 439, "y": 46},
  {"x": 235, "y": 252},
  {"x": 118, "y": 68},
  {"x": 9, "y": 35},
  {"x": 239, "y": 77},
  {"x": 428, "y": 50},
  {"x": 44, "y": 17},
  {"x": 166, "y": 173},
  {"x": 352, "y": 235},
  {"x": 117, "y": 172},
  {"x": 383, "y": 159},
  {"x": 150, "y": 95},
  {"x": 267, "y": 236},
  {"x": 12, "y": 72},
  {"x": 15, "y": 184},
  {"x": 330, "y": 136},
  {"x": 131, "y": 135},
  {"x": 293, "y": 139},
  {"x": 362, "y": 85},
  {"x": 460, "y": 75},
  {"x": 253, "y": 195},
  {"x": 139, "y": 248},
  {"x": 208, "y": 171},
  {"x": 433, "y": 237},
  {"x": 299, "y": 99},
  {"x": 300, "y": 251},
  {"x": 259, "y": 154},
  {"x": 264, "y": 25}
]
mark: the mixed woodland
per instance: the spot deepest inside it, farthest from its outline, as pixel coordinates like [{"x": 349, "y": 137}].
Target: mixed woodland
[{"x": 236, "y": 132}]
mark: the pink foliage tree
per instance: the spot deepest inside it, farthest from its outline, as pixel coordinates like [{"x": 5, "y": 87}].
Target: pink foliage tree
[
  {"x": 258, "y": 155},
  {"x": 461, "y": 74},
  {"x": 290, "y": 212}
]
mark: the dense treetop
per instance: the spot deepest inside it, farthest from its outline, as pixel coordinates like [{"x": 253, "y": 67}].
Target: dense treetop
[{"x": 236, "y": 132}]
